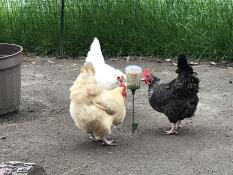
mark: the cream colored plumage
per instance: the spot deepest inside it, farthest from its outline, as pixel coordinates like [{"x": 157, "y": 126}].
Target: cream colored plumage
[{"x": 93, "y": 108}]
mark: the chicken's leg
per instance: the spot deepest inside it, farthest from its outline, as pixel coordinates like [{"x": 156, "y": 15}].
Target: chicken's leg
[
  {"x": 172, "y": 131},
  {"x": 178, "y": 124},
  {"x": 94, "y": 138},
  {"x": 108, "y": 143}
]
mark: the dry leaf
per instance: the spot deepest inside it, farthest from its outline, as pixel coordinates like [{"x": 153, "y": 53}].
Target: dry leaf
[
  {"x": 74, "y": 65},
  {"x": 52, "y": 62},
  {"x": 114, "y": 59},
  {"x": 193, "y": 63},
  {"x": 213, "y": 63}
]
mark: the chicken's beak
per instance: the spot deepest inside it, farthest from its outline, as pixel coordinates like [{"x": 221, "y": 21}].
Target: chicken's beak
[{"x": 143, "y": 79}]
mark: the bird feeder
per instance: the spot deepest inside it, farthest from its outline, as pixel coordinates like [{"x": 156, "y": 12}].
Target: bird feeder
[{"x": 133, "y": 76}]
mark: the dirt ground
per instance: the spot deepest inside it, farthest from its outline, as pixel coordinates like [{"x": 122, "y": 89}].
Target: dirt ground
[{"x": 43, "y": 131}]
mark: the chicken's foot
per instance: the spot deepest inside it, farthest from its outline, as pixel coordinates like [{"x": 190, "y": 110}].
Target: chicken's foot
[
  {"x": 94, "y": 138},
  {"x": 172, "y": 131},
  {"x": 108, "y": 142}
]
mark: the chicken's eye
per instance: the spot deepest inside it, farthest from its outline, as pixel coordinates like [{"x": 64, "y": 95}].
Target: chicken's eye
[{"x": 119, "y": 79}]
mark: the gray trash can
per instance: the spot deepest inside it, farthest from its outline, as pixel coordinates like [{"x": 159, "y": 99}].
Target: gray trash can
[{"x": 10, "y": 77}]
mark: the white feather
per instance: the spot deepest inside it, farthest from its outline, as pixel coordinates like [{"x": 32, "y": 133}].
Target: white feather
[{"x": 106, "y": 75}]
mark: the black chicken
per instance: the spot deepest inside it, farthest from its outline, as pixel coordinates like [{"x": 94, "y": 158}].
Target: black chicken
[{"x": 178, "y": 99}]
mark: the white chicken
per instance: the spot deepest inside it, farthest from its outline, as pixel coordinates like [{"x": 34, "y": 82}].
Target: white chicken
[{"x": 106, "y": 75}]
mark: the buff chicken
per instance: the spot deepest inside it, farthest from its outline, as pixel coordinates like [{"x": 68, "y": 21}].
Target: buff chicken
[{"x": 94, "y": 109}]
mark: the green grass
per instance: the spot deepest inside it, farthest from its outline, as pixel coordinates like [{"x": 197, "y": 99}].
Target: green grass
[{"x": 202, "y": 29}]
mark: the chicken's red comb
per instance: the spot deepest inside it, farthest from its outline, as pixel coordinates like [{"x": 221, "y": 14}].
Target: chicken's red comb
[{"x": 146, "y": 72}]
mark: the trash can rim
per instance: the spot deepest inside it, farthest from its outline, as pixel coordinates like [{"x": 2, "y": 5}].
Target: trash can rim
[{"x": 16, "y": 53}]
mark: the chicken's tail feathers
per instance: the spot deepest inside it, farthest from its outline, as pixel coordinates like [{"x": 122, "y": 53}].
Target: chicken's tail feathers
[
  {"x": 95, "y": 54},
  {"x": 88, "y": 68},
  {"x": 183, "y": 64}
]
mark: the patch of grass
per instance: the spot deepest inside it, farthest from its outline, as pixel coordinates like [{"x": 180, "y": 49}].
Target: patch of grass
[{"x": 125, "y": 27}]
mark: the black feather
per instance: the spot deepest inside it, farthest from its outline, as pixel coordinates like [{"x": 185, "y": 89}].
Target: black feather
[{"x": 183, "y": 65}]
